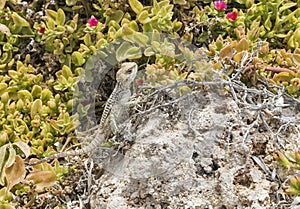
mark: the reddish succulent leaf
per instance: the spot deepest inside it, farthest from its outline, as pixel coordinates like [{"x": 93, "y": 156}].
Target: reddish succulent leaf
[
  {"x": 264, "y": 49},
  {"x": 243, "y": 45},
  {"x": 238, "y": 56},
  {"x": 15, "y": 173},
  {"x": 256, "y": 60},
  {"x": 226, "y": 52},
  {"x": 42, "y": 179},
  {"x": 217, "y": 66}
]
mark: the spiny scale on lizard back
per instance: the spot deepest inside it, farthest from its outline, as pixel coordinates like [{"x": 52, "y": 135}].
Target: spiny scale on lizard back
[{"x": 125, "y": 77}]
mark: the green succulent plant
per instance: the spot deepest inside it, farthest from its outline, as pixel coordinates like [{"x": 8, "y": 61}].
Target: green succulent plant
[
  {"x": 60, "y": 36},
  {"x": 279, "y": 67},
  {"x": 275, "y": 20},
  {"x": 37, "y": 98},
  {"x": 13, "y": 30},
  {"x": 290, "y": 160}
]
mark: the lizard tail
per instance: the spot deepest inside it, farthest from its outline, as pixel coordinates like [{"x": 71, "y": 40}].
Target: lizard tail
[{"x": 85, "y": 150}]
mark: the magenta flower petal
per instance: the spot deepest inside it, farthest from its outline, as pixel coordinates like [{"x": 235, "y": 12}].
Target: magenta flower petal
[
  {"x": 93, "y": 22},
  {"x": 42, "y": 30},
  {"x": 220, "y": 5},
  {"x": 232, "y": 16},
  {"x": 139, "y": 82}
]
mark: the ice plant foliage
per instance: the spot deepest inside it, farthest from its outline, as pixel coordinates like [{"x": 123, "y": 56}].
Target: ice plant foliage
[
  {"x": 220, "y": 5},
  {"x": 93, "y": 22},
  {"x": 232, "y": 16},
  {"x": 61, "y": 36}
]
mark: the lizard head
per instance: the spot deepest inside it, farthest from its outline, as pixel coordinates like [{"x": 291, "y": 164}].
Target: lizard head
[{"x": 126, "y": 74}]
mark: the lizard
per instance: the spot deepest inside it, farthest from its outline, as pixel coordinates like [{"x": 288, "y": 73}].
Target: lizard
[{"x": 118, "y": 98}]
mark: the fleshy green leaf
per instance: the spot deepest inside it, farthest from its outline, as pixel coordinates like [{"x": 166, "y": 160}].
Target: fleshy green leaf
[
  {"x": 71, "y": 2},
  {"x": 133, "y": 53},
  {"x": 24, "y": 94},
  {"x": 19, "y": 21},
  {"x": 281, "y": 35},
  {"x": 3, "y": 138},
  {"x": 134, "y": 26},
  {"x": 286, "y": 6},
  {"x": 136, "y": 6},
  {"x": 149, "y": 52},
  {"x": 296, "y": 59},
  {"x": 290, "y": 16},
  {"x": 268, "y": 23},
  {"x": 87, "y": 39},
  {"x": 36, "y": 108},
  {"x": 121, "y": 51},
  {"x": 46, "y": 95},
  {"x": 3, "y": 87},
  {"x": 137, "y": 37},
  {"x": 77, "y": 59},
  {"x": 127, "y": 51},
  {"x": 116, "y": 16},
  {"x": 144, "y": 17},
  {"x": 36, "y": 91},
  {"x": 66, "y": 72},
  {"x": 51, "y": 14},
  {"x": 5, "y": 195},
  {"x": 61, "y": 17}
]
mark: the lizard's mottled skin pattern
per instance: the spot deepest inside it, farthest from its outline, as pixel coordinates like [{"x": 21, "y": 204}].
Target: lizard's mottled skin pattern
[{"x": 125, "y": 77}]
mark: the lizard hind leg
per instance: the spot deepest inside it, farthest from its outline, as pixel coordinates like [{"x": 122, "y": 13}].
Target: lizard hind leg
[{"x": 117, "y": 119}]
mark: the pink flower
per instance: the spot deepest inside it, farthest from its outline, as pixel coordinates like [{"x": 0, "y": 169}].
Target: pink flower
[
  {"x": 220, "y": 5},
  {"x": 139, "y": 82},
  {"x": 232, "y": 16},
  {"x": 42, "y": 30},
  {"x": 93, "y": 22}
]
